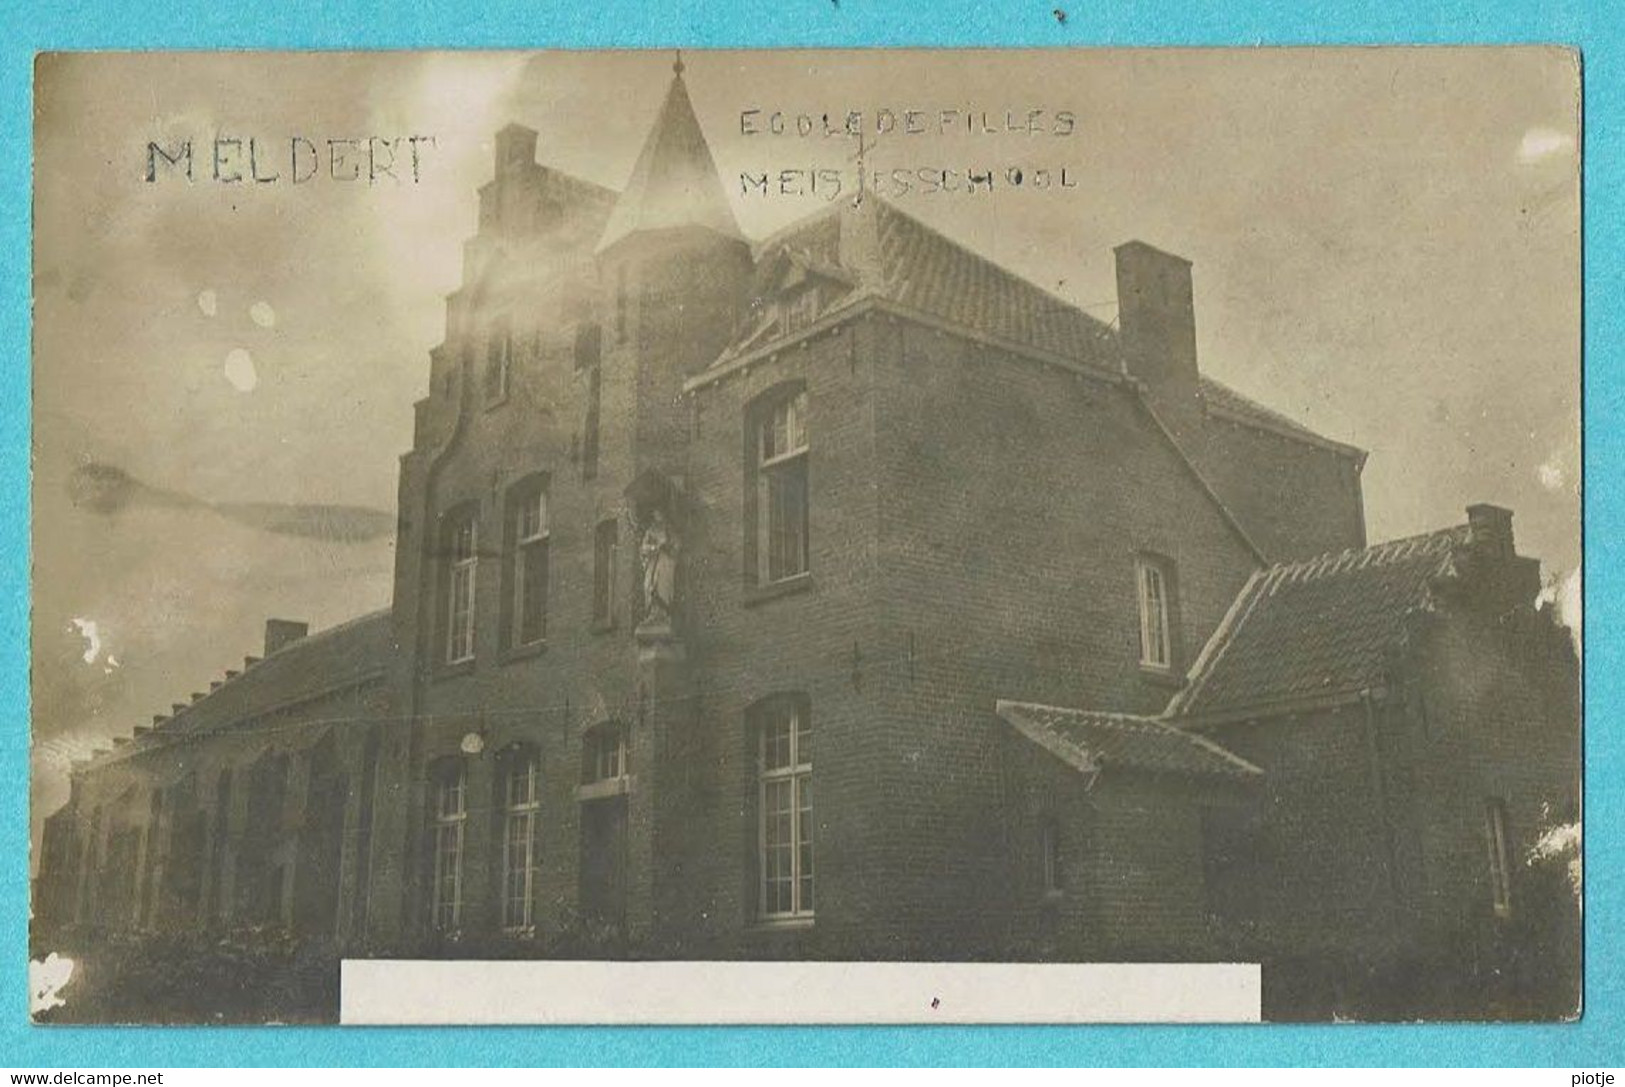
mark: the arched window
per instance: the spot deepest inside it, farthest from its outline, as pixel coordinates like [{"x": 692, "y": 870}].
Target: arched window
[
  {"x": 782, "y": 728},
  {"x": 449, "y": 818},
  {"x": 521, "y": 813}
]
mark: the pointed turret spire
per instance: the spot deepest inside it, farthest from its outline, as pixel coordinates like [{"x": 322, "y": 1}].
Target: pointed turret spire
[{"x": 675, "y": 182}]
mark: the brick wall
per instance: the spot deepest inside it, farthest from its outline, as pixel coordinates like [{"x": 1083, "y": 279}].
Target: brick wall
[
  {"x": 1130, "y": 855},
  {"x": 817, "y": 641},
  {"x": 1017, "y": 499},
  {"x": 1317, "y": 874},
  {"x": 1492, "y": 714},
  {"x": 133, "y": 863},
  {"x": 1370, "y": 846},
  {"x": 1295, "y": 500},
  {"x": 941, "y": 475}
]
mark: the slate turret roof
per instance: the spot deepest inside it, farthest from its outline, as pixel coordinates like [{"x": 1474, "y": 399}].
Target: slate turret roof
[{"x": 675, "y": 182}]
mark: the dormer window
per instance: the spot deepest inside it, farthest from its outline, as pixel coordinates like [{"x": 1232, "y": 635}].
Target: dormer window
[{"x": 798, "y": 310}]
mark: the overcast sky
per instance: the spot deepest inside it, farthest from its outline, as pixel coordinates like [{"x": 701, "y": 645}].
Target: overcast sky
[{"x": 1385, "y": 242}]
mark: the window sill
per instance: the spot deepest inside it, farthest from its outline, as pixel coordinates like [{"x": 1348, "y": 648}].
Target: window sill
[
  {"x": 447, "y": 671},
  {"x": 604, "y": 790},
  {"x": 761, "y": 594},
  {"x": 524, "y": 652},
  {"x": 783, "y": 924}
]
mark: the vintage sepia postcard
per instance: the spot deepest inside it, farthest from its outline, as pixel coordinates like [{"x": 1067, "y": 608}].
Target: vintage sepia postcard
[{"x": 970, "y": 536}]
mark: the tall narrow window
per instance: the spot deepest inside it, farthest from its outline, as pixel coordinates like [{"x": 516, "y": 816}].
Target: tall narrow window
[
  {"x": 1156, "y": 644},
  {"x": 589, "y": 345},
  {"x": 498, "y": 361},
  {"x": 590, "y": 438},
  {"x": 527, "y": 573},
  {"x": 461, "y": 558},
  {"x": 604, "y": 861},
  {"x": 361, "y": 905},
  {"x": 148, "y": 901},
  {"x": 1049, "y": 847},
  {"x": 219, "y": 903},
  {"x": 780, "y": 446},
  {"x": 620, "y": 303},
  {"x": 89, "y": 868},
  {"x": 606, "y": 556},
  {"x": 450, "y": 818},
  {"x": 258, "y": 875},
  {"x": 520, "y": 812},
  {"x": 784, "y": 806},
  {"x": 1495, "y": 832}
]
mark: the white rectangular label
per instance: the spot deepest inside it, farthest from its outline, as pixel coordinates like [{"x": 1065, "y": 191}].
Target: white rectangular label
[{"x": 400, "y": 991}]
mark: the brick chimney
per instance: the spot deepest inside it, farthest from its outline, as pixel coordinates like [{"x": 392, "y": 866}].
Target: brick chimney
[
  {"x": 515, "y": 149},
  {"x": 1493, "y": 574},
  {"x": 281, "y": 632},
  {"x": 1491, "y": 530},
  {"x": 1156, "y": 319}
]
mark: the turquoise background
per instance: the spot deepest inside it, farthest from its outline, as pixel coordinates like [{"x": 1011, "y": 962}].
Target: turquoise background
[{"x": 1596, "y": 27}]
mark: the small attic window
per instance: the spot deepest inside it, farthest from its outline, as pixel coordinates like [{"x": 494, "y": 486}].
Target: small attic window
[{"x": 798, "y": 310}]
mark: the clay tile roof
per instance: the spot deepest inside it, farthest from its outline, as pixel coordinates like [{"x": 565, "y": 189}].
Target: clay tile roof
[
  {"x": 1092, "y": 741},
  {"x": 925, "y": 270},
  {"x": 1319, "y": 628},
  {"x": 890, "y": 254},
  {"x": 340, "y": 656},
  {"x": 1227, "y": 402},
  {"x": 887, "y": 253}
]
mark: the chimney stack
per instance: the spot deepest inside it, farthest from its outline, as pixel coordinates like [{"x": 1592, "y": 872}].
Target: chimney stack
[
  {"x": 1491, "y": 529},
  {"x": 515, "y": 149},
  {"x": 1156, "y": 320},
  {"x": 281, "y": 632}
]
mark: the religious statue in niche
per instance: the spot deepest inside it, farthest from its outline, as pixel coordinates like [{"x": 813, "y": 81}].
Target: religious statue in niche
[
  {"x": 653, "y": 504},
  {"x": 658, "y": 548}
]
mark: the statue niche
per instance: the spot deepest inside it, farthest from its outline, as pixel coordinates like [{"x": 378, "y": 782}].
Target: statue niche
[{"x": 653, "y": 504}]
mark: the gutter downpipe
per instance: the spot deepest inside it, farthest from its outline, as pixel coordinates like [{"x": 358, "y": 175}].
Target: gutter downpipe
[{"x": 1379, "y": 793}]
